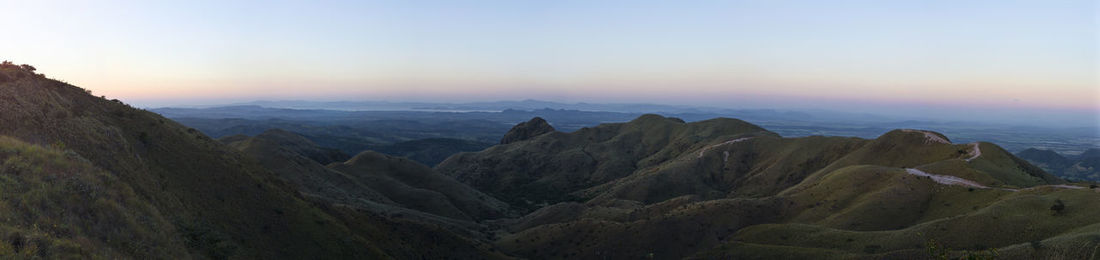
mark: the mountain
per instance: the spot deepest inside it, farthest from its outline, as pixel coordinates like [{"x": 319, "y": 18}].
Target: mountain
[
  {"x": 87, "y": 177},
  {"x": 1044, "y": 158},
  {"x": 1090, "y": 153},
  {"x": 724, "y": 188},
  {"x": 355, "y": 131},
  {"x": 553, "y": 166},
  {"x": 527, "y": 130},
  {"x": 368, "y": 179},
  {"x": 1083, "y": 167},
  {"x": 418, "y": 187}
]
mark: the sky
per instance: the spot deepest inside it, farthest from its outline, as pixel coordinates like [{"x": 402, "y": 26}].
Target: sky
[{"x": 957, "y": 60}]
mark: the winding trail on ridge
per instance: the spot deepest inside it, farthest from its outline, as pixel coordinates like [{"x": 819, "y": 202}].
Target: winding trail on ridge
[
  {"x": 974, "y": 152},
  {"x": 929, "y": 136},
  {"x": 956, "y": 181},
  {"x": 705, "y": 149},
  {"x": 946, "y": 179}
]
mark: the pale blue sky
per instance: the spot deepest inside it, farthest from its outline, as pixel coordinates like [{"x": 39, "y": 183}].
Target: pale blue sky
[{"x": 904, "y": 57}]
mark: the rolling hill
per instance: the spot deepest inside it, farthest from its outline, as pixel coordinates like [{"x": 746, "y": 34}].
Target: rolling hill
[
  {"x": 157, "y": 189},
  {"x": 368, "y": 179},
  {"x": 723, "y": 188}
]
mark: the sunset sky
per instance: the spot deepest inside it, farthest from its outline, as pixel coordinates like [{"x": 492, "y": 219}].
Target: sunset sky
[{"x": 951, "y": 58}]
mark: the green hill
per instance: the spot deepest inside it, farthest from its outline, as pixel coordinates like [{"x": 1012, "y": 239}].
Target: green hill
[
  {"x": 418, "y": 187},
  {"x": 369, "y": 180},
  {"x": 549, "y": 167},
  {"x": 727, "y": 189},
  {"x": 211, "y": 199}
]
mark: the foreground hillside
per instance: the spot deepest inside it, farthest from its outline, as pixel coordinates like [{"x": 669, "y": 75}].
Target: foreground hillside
[
  {"x": 146, "y": 187},
  {"x": 661, "y": 188}
]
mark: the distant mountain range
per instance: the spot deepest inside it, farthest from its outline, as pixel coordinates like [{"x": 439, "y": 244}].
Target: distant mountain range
[{"x": 367, "y": 129}]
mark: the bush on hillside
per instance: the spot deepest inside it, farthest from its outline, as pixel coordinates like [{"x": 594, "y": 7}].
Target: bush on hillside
[{"x": 1058, "y": 207}]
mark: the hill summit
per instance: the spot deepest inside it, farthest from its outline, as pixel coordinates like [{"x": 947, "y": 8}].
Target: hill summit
[{"x": 527, "y": 130}]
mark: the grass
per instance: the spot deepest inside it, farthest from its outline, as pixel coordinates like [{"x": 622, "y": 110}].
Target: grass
[
  {"x": 209, "y": 199},
  {"x": 55, "y": 204},
  {"x": 1005, "y": 221},
  {"x": 551, "y": 168},
  {"x": 848, "y": 198}
]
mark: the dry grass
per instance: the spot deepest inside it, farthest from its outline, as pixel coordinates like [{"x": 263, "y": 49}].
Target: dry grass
[{"x": 55, "y": 204}]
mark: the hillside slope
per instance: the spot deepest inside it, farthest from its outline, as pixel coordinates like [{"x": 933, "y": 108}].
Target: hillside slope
[
  {"x": 702, "y": 189},
  {"x": 56, "y": 204},
  {"x": 219, "y": 203},
  {"x": 532, "y": 170},
  {"x": 368, "y": 179},
  {"x": 418, "y": 187}
]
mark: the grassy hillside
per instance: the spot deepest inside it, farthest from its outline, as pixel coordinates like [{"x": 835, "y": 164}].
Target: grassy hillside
[
  {"x": 548, "y": 168},
  {"x": 736, "y": 194},
  {"x": 368, "y": 179},
  {"x": 221, "y": 204},
  {"x": 55, "y": 204},
  {"x": 416, "y": 186}
]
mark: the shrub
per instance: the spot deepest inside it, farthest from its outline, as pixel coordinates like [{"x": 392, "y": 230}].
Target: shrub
[
  {"x": 1058, "y": 207},
  {"x": 144, "y": 138},
  {"x": 58, "y": 145}
]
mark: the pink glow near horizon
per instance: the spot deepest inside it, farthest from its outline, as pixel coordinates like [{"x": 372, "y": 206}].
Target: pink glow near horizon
[{"x": 874, "y": 55}]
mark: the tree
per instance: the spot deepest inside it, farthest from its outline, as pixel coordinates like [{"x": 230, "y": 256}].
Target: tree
[
  {"x": 27, "y": 67},
  {"x": 1058, "y": 206},
  {"x": 7, "y": 64}
]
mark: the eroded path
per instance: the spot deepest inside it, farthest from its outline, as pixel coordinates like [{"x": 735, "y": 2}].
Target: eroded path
[
  {"x": 705, "y": 149},
  {"x": 946, "y": 179},
  {"x": 975, "y": 151},
  {"x": 956, "y": 181},
  {"x": 929, "y": 136}
]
